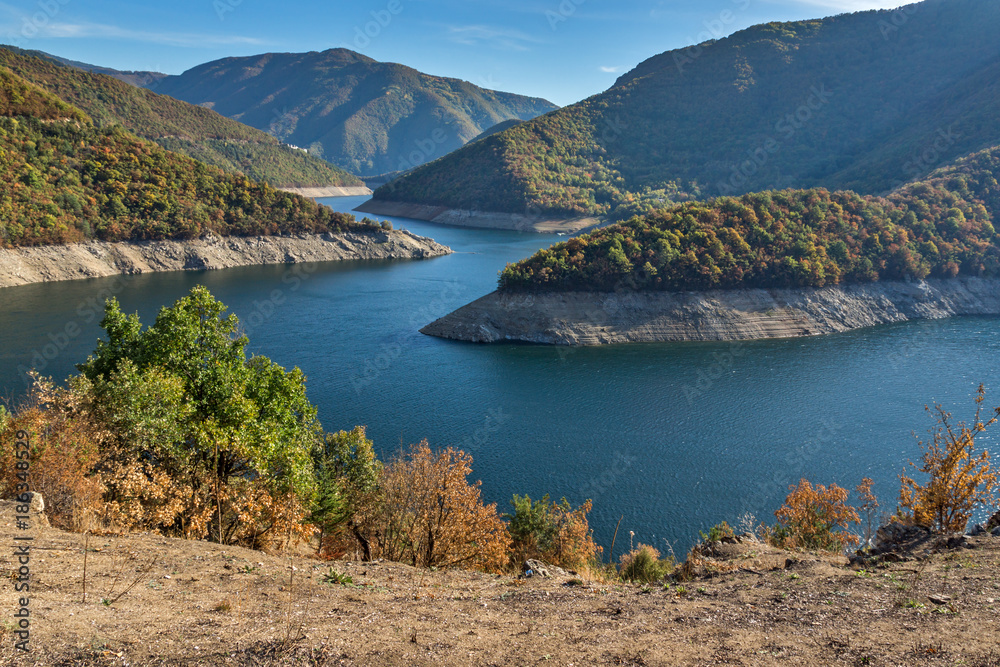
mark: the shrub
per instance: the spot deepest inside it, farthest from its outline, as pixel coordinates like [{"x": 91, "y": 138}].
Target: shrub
[
  {"x": 643, "y": 564},
  {"x": 552, "y": 532},
  {"x": 430, "y": 515},
  {"x": 810, "y": 515},
  {"x": 718, "y": 532},
  {"x": 960, "y": 477},
  {"x": 65, "y": 452}
]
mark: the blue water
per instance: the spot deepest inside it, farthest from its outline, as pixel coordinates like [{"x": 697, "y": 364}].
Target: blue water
[{"x": 672, "y": 437}]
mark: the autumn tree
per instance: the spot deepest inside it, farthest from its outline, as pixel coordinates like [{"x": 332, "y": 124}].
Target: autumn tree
[
  {"x": 430, "y": 515},
  {"x": 959, "y": 477},
  {"x": 811, "y": 515}
]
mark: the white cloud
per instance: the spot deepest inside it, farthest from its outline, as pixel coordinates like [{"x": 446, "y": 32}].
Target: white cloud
[
  {"x": 498, "y": 38},
  {"x": 63, "y": 30},
  {"x": 609, "y": 70}
]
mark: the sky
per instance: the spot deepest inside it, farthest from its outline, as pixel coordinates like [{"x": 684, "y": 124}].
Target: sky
[{"x": 561, "y": 50}]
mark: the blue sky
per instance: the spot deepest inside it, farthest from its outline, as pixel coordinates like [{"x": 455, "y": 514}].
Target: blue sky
[{"x": 563, "y": 50}]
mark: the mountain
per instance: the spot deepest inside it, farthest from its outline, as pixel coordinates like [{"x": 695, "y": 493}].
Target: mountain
[
  {"x": 366, "y": 116},
  {"x": 178, "y": 126},
  {"x": 64, "y": 179},
  {"x": 866, "y": 101}
]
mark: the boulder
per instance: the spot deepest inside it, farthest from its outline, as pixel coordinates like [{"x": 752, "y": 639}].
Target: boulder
[
  {"x": 993, "y": 523},
  {"x": 536, "y": 568},
  {"x": 977, "y": 530}
]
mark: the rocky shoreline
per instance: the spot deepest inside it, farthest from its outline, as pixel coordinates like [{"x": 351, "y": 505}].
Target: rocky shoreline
[
  {"x": 330, "y": 191},
  {"x": 476, "y": 219},
  {"x": 20, "y": 266},
  {"x": 589, "y": 318}
]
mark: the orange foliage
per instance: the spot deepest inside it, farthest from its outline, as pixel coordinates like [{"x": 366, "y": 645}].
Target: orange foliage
[
  {"x": 430, "y": 514},
  {"x": 809, "y": 516},
  {"x": 960, "y": 477}
]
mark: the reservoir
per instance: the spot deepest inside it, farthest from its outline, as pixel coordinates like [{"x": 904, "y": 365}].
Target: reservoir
[{"x": 672, "y": 437}]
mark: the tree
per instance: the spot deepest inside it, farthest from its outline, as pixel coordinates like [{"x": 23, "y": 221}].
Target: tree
[
  {"x": 960, "y": 477},
  {"x": 810, "y": 515},
  {"x": 553, "y": 532},
  {"x": 347, "y": 476},
  {"x": 432, "y": 516},
  {"x": 235, "y": 434}
]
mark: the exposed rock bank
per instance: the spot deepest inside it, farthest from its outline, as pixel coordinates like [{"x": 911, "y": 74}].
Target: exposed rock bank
[
  {"x": 98, "y": 258},
  {"x": 477, "y": 219},
  {"x": 590, "y": 318},
  {"x": 331, "y": 191}
]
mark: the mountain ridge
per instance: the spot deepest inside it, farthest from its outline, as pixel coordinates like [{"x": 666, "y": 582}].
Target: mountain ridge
[
  {"x": 742, "y": 114},
  {"x": 371, "y": 117},
  {"x": 175, "y": 125}
]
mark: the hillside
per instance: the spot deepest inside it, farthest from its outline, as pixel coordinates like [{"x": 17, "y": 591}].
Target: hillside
[
  {"x": 363, "y": 115},
  {"x": 65, "y": 180},
  {"x": 177, "y": 126},
  {"x": 134, "y": 77},
  {"x": 865, "y": 101},
  {"x": 196, "y": 602},
  {"x": 941, "y": 227}
]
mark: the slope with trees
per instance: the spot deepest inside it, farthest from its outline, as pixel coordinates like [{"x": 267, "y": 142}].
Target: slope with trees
[
  {"x": 865, "y": 101},
  {"x": 942, "y": 226},
  {"x": 64, "y": 180},
  {"x": 178, "y": 126}
]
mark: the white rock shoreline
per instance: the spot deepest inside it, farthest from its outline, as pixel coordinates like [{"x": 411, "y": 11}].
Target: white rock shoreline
[
  {"x": 477, "y": 219},
  {"x": 21, "y": 266},
  {"x": 594, "y": 318}
]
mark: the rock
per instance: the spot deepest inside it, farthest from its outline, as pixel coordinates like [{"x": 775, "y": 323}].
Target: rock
[
  {"x": 595, "y": 318},
  {"x": 536, "y": 568},
  {"x": 894, "y": 534},
  {"x": 995, "y": 532},
  {"x": 939, "y": 599},
  {"x": 993, "y": 523},
  {"x": 977, "y": 530},
  {"x": 19, "y": 266},
  {"x": 37, "y": 503}
]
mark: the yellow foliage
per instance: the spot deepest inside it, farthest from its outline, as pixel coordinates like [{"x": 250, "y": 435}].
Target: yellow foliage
[
  {"x": 809, "y": 516},
  {"x": 959, "y": 476}
]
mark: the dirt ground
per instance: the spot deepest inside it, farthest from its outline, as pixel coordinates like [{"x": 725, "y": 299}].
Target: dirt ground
[{"x": 151, "y": 600}]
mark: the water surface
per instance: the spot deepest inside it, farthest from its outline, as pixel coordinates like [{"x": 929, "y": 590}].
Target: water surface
[{"x": 672, "y": 437}]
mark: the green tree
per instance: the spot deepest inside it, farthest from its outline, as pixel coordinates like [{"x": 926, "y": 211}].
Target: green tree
[
  {"x": 183, "y": 396},
  {"x": 347, "y": 473}
]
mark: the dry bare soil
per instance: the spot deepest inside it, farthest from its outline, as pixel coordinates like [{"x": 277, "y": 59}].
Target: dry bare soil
[{"x": 197, "y": 603}]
